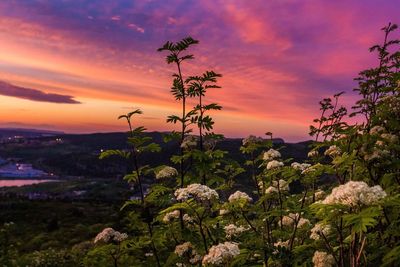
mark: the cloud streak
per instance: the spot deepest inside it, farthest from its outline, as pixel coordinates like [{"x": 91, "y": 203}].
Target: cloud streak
[
  {"x": 8, "y": 89},
  {"x": 278, "y": 58}
]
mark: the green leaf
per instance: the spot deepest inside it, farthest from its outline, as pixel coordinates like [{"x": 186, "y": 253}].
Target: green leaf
[
  {"x": 364, "y": 219},
  {"x": 392, "y": 257},
  {"x": 132, "y": 178},
  {"x": 120, "y": 153}
]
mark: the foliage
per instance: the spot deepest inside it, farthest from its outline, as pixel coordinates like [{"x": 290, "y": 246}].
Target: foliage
[{"x": 290, "y": 216}]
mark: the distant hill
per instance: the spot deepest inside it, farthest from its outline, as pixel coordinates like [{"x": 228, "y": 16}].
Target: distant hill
[
  {"x": 77, "y": 154},
  {"x": 26, "y": 133}
]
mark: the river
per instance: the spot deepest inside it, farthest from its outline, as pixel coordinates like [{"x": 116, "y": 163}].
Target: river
[{"x": 21, "y": 182}]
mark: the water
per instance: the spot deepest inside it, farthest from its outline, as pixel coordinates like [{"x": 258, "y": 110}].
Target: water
[{"x": 21, "y": 182}]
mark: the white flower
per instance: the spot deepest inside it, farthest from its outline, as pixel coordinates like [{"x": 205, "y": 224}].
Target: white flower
[
  {"x": 377, "y": 129},
  {"x": 333, "y": 151},
  {"x": 189, "y": 142},
  {"x": 380, "y": 143},
  {"x": 166, "y": 172},
  {"x": 303, "y": 222},
  {"x": 223, "y": 212},
  {"x": 251, "y": 139},
  {"x": 283, "y": 185},
  {"x": 319, "y": 194},
  {"x": 300, "y": 166},
  {"x": 186, "y": 250},
  {"x": 170, "y": 216},
  {"x": 271, "y": 154},
  {"x": 312, "y": 154},
  {"x": 221, "y": 254},
  {"x": 288, "y": 220},
  {"x": 282, "y": 244},
  {"x": 323, "y": 259},
  {"x": 377, "y": 153},
  {"x": 274, "y": 164},
  {"x": 271, "y": 190},
  {"x": 209, "y": 143},
  {"x": 109, "y": 234},
  {"x": 319, "y": 228},
  {"x": 390, "y": 138},
  {"x": 355, "y": 193},
  {"x": 196, "y": 259},
  {"x": 149, "y": 254},
  {"x": 181, "y": 249},
  {"x": 261, "y": 185},
  {"x": 197, "y": 191},
  {"x": 232, "y": 230},
  {"x": 187, "y": 219},
  {"x": 238, "y": 196}
]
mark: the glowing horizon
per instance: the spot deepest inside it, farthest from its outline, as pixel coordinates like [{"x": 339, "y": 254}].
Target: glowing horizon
[{"x": 74, "y": 66}]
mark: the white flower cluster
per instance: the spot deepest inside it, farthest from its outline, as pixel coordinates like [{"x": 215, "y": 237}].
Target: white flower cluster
[
  {"x": 289, "y": 220},
  {"x": 181, "y": 249},
  {"x": 323, "y": 259},
  {"x": 170, "y": 216},
  {"x": 380, "y": 143},
  {"x": 221, "y": 254},
  {"x": 300, "y": 166},
  {"x": 391, "y": 101},
  {"x": 209, "y": 143},
  {"x": 313, "y": 154},
  {"x": 186, "y": 250},
  {"x": 355, "y": 193},
  {"x": 377, "y": 154},
  {"x": 261, "y": 185},
  {"x": 109, "y": 235},
  {"x": 238, "y": 196},
  {"x": 281, "y": 244},
  {"x": 283, "y": 185},
  {"x": 166, "y": 172},
  {"x": 333, "y": 151},
  {"x": 303, "y": 222},
  {"x": 223, "y": 212},
  {"x": 377, "y": 130},
  {"x": 274, "y": 164},
  {"x": 318, "y": 229},
  {"x": 232, "y": 230},
  {"x": 271, "y": 154},
  {"x": 390, "y": 138},
  {"x": 251, "y": 139},
  {"x": 271, "y": 190},
  {"x": 319, "y": 194},
  {"x": 189, "y": 142},
  {"x": 197, "y": 191},
  {"x": 187, "y": 219},
  {"x": 174, "y": 215}
]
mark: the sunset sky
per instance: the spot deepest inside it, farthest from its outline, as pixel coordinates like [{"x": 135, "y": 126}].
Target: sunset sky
[{"x": 75, "y": 65}]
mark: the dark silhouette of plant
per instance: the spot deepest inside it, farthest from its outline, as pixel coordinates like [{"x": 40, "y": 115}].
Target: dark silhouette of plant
[
  {"x": 376, "y": 83},
  {"x": 329, "y": 125},
  {"x": 139, "y": 143},
  {"x": 197, "y": 87},
  {"x": 179, "y": 89}
]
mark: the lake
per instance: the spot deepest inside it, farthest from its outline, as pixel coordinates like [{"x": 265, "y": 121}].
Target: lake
[{"x": 21, "y": 182}]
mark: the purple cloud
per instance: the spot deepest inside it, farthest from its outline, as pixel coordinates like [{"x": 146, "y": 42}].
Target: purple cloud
[{"x": 8, "y": 89}]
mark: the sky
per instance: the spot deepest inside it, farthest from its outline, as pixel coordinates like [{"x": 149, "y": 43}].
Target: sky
[{"x": 76, "y": 65}]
